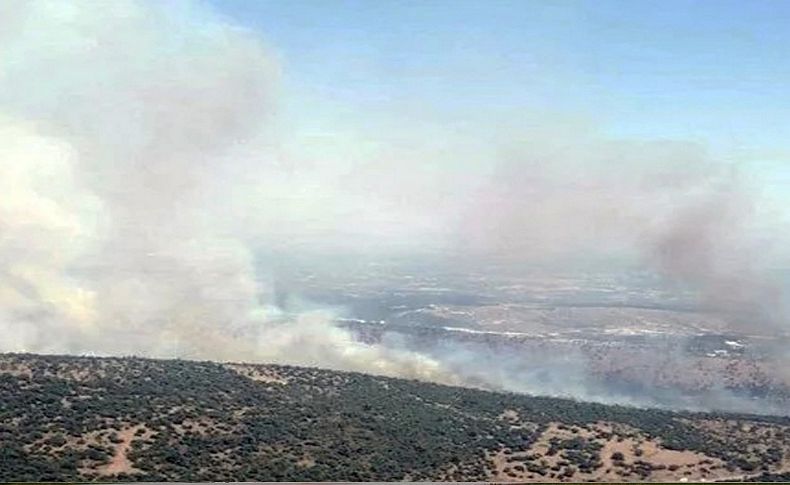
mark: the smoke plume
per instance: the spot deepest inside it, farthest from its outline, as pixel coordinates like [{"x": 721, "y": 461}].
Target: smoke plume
[
  {"x": 139, "y": 160},
  {"x": 669, "y": 206},
  {"x": 119, "y": 122}
]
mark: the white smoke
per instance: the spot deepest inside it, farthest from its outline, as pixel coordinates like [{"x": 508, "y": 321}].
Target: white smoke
[
  {"x": 136, "y": 166},
  {"x": 119, "y": 121}
]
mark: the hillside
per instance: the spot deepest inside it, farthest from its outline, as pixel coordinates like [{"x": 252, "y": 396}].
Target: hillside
[{"x": 81, "y": 418}]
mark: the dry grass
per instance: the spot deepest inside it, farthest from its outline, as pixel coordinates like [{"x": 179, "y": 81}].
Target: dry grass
[
  {"x": 120, "y": 463},
  {"x": 258, "y": 373},
  {"x": 668, "y": 465}
]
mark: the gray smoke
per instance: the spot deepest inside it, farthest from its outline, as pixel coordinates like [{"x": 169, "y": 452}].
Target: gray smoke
[
  {"x": 119, "y": 127},
  {"x": 666, "y": 205},
  {"x": 139, "y": 159}
]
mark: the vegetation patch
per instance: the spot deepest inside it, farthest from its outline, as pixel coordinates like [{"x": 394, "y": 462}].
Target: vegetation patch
[{"x": 100, "y": 419}]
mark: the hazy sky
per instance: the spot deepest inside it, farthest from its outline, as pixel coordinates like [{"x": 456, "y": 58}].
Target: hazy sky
[
  {"x": 150, "y": 150},
  {"x": 709, "y": 72}
]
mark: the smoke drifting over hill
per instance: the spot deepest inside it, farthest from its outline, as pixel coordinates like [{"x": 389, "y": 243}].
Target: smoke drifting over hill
[
  {"x": 117, "y": 119},
  {"x": 137, "y": 164},
  {"x": 667, "y": 204}
]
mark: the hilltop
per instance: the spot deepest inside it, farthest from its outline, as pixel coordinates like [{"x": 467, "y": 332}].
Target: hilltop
[{"x": 85, "y": 418}]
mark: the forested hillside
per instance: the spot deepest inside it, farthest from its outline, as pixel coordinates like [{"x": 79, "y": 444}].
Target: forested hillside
[{"x": 80, "y": 418}]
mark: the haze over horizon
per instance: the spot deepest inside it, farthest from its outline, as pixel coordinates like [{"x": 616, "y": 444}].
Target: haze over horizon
[{"x": 151, "y": 152}]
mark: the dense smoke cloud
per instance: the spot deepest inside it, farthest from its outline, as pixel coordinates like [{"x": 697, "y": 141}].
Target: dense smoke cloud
[
  {"x": 139, "y": 160},
  {"x": 118, "y": 118},
  {"x": 666, "y": 205}
]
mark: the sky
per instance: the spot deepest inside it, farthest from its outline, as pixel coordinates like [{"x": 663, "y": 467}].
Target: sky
[
  {"x": 702, "y": 70},
  {"x": 714, "y": 73}
]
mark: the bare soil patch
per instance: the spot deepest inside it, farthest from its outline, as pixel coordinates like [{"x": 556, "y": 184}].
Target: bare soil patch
[{"x": 258, "y": 374}]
